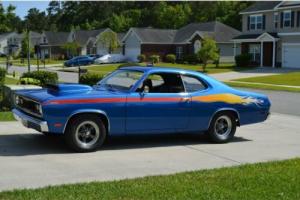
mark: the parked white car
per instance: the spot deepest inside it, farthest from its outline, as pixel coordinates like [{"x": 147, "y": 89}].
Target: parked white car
[{"x": 111, "y": 58}]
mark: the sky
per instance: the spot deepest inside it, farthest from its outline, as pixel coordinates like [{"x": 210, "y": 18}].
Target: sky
[{"x": 23, "y": 6}]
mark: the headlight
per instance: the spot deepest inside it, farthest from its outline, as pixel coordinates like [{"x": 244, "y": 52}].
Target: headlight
[
  {"x": 17, "y": 99},
  {"x": 38, "y": 107}
]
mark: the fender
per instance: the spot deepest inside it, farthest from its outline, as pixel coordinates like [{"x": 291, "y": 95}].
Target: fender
[
  {"x": 223, "y": 109},
  {"x": 81, "y": 111}
]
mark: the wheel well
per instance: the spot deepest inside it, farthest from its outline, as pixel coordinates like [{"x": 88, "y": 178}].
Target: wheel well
[
  {"x": 234, "y": 113},
  {"x": 102, "y": 117}
]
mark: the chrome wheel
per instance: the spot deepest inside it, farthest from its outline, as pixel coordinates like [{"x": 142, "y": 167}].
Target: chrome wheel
[
  {"x": 223, "y": 126},
  {"x": 87, "y": 134}
]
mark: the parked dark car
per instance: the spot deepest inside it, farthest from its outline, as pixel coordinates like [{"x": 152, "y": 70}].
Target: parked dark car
[{"x": 79, "y": 60}]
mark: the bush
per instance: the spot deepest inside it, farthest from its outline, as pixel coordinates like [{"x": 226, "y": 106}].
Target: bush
[
  {"x": 242, "y": 60},
  {"x": 191, "y": 59},
  {"x": 170, "y": 58},
  {"x": 141, "y": 58},
  {"x": 154, "y": 58},
  {"x": 44, "y": 77},
  {"x": 90, "y": 79},
  {"x": 128, "y": 65},
  {"x": 29, "y": 81}
]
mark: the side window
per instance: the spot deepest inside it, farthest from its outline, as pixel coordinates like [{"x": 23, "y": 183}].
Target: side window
[
  {"x": 162, "y": 83},
  {"x": 193, "y": 84}
]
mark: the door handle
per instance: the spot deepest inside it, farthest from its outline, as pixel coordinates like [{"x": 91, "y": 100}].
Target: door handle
[{"x": 185, "y": 99}]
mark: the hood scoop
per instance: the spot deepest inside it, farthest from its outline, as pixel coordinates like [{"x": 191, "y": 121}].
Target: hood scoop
[{"x": 68, "y": 88}]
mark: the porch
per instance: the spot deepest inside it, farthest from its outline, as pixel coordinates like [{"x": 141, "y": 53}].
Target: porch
[{"x": 261, "y": 47}]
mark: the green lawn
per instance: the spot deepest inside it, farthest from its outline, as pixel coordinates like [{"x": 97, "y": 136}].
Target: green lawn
[
  {"x": 263, "y": 87},
  {"x": 290, "y": 79},
  {"x": 273, "y": 180},
  {"x": 6, "y": 116},
  {"x": 225, "y": 67},
  {"x": 11, "y": 81}
]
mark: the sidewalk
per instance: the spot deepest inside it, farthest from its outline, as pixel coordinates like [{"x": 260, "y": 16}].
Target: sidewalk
[{"x": 267, "y": 84}]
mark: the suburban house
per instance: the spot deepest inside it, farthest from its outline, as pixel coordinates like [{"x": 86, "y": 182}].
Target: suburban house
[
  {"x": 184, "y": 41},
  {"x": 52, "y": 42},
  {"x": 10, "y": 43},
  {"x": 271, "y": 33}
]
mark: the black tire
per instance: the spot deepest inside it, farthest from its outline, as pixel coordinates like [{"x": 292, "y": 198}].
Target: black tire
[
  {"x": 75, "y": 138},
  {"x": 215, "y": 129}
]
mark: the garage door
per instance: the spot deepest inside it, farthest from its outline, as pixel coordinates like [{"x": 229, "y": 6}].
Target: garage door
[
  {"x": 291, "y": 56},
  {"x": 132, "y": 53}
]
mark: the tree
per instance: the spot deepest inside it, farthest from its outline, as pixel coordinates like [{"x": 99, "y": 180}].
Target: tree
[
  {"x": 109, "y": 40},
  {"x": 208, "y": 52},
  {"x": 71, "y": 48},
  {"x": 24, "y": 45},
  {"x": 36, "y": 20}
]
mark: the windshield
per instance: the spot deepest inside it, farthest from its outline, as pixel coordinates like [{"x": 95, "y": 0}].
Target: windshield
[{"x": 121, "y": 80}]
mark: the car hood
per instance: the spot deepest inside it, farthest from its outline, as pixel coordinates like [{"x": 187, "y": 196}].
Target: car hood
[{"x": 66, "y": 91}]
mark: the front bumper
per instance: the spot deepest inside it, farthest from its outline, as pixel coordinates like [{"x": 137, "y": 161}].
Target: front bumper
[{"x": 30, "y": 122}]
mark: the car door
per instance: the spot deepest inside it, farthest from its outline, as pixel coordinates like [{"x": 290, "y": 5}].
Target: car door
[{"x": 159, "y": 106}]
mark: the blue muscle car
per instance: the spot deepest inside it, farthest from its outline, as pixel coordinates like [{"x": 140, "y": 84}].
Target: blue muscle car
[{"x": 140, "y": 100}]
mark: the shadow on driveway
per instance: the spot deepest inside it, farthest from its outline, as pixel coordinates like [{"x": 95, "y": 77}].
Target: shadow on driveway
[{"x": 38, "y": 144}]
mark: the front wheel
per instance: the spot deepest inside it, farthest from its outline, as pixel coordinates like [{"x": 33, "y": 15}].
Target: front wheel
[
  {"x": 222, "y": 128},
  {"x": 85, "y": 133}
]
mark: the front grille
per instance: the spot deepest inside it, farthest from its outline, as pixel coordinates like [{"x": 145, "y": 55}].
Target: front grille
[{"x": 29, "y": 106}]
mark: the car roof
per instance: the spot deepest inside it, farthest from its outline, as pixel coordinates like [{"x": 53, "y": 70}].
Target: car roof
[{"x": 152, "y": 69}]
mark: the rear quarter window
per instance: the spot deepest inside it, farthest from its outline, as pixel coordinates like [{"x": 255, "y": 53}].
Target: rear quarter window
[{"x": 193, "y": 84}]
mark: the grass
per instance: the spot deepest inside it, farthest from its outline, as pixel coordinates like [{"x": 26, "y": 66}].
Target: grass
[
  {"x": 6, "y": 116},
  {"x": 292, "y": 78},
  {"x": 273, "y": 180},
  {"x": 11, "y": 81},
  {"x": 224, "y": 67},
  {"x": 263, "y": 87}
]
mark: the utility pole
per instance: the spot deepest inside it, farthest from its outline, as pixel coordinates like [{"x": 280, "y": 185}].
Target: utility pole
[{"x": 28, "y": 49}]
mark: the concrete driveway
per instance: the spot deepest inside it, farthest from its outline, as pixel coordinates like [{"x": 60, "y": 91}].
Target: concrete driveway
[{"x": 29, "y": 159}]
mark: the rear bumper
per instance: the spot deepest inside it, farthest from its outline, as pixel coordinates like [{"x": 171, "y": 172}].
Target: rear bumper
[{"x": 30, "y": 122}]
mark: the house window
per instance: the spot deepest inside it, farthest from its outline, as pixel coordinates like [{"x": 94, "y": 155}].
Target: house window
[
  {"x": 44, "y": 40},
  {"x": 256, "y": 22},
  {"x": 276, "y": 20},
  {"x": 179, "y": 52},
  {"x": 197, "y": 46},
  {"x": 254, "y": 51},
  {"x": 287, "y": 18}
]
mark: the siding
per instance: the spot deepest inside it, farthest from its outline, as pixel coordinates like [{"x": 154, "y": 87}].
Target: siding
[
  {"x": 132, "y": 41},
  {"x": 227, "y": 51}
]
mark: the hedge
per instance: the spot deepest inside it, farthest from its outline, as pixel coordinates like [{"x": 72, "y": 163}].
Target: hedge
[
  {"x": 90, "y": 79},
  {"x": 44, "y": 77}
]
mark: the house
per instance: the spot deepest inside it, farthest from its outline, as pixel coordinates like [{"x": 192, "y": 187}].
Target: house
[
  {"x": 4, "y": 37},
  {"x": 271, "y": 33},
  {"x": 10, "y": 43},
  {"x": 52, "y": 42},
  {"x": 184, "y": 41}
]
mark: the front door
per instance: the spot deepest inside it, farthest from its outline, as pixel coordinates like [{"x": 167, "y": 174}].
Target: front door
[
  {"x": 268, "y": 54},
  {"x": 159, "y": 105}
]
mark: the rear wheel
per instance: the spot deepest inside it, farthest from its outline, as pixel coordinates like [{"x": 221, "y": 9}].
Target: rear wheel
[
  {"x": 222, "y": 127},
  {"x": 85, "y": 133}
]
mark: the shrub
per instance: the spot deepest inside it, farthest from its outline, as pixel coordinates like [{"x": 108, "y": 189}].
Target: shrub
[
  {"x": 29, "y": 81},
  {"x": 44, "y": 77},
  {"x": 128, "y": 65},
  {"x": 141, "y": 58},
  {"x": 242, "y": 60},
  {"x": 170, "y": 58},
  {"x": 154, "y": 58},
  {"x": 90, "y": 79}
]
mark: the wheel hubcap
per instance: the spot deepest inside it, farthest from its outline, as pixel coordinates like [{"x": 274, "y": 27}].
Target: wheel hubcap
[
  {"x": 87, "y": 133},
  {"x": 223, "y": 126}
]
